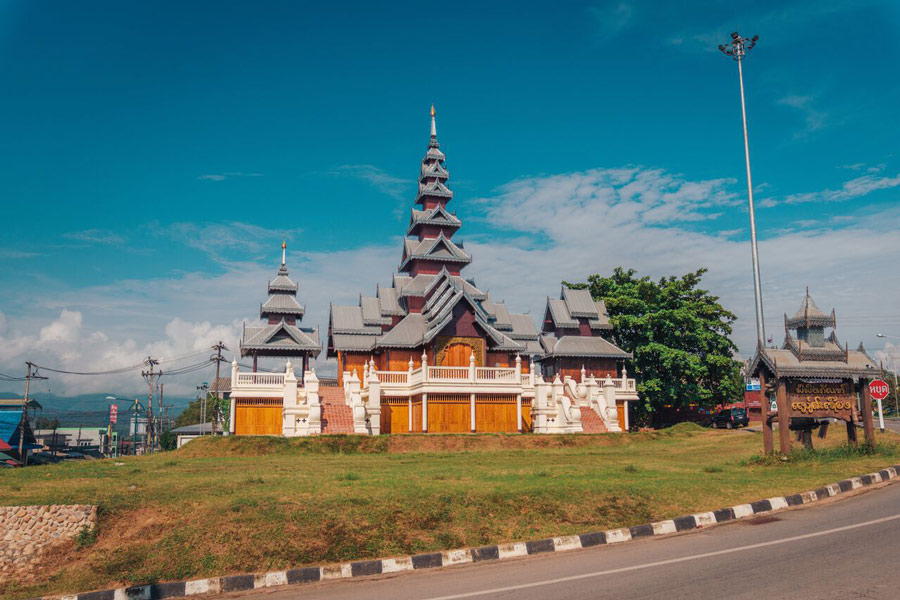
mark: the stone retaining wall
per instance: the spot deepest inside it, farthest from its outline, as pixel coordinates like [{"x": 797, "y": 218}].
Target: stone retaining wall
[{"x": 27, "y": 531}]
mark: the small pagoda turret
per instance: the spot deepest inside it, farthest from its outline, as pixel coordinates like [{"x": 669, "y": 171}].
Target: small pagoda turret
[{"x": 281, "y": 336}]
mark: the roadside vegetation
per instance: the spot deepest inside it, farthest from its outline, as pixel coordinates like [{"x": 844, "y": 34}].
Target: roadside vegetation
[{"x": 237, "y": 505}]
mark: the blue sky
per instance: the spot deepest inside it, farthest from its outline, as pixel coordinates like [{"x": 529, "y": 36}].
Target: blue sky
[{"x": 154, "y": 154}]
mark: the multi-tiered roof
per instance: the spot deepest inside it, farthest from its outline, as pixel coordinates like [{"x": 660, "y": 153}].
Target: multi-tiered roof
[
  {"x": 810, "y": 353},
  {"x": 281, "y": 335},
  {"x": 428, "y": 247},
  {"x": 428, "y": 285},
  {"x": 573, "y": 326}
]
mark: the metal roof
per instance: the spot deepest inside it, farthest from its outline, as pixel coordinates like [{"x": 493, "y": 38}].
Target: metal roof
[
  {"x": 408, "y": 333},
  {"x": 559, "y": 312},
  {"x": 371, "y": 311},
  {"x": 280, "y": 337},
  {"x": 578, "y": 345},
  {"x": 279, "y": 304},
  {"x": 282, "y": 283},
  {"x": 349, "y": 319},
  {"x": 580, "y": 303},
  {"x": 522, "y": 327},
  {"x": 783, "y": 362},
  {"x": 810, "y": 314},
  {"x": 388, "y": 297}
]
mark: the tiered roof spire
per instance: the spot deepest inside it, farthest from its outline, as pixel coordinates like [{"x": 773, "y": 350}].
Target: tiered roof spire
[{"x": 433, "y": 223}]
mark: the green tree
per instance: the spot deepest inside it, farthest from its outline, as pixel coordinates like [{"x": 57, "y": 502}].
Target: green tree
[
  {"x": 46, "y": 423},
  {"x": 678, "y": 334},
  {"x": 191, "y": 415}
]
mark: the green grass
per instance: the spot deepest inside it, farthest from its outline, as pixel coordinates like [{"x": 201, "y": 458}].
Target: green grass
[{"x": 237, "y": 505}]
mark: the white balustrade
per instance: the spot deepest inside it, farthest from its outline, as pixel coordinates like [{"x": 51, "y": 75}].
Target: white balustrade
[
  {"x": 273, "y": 379},
  {"x": 498, "y": 374},
  {"x": 456, "y": 373},
  {"x": 401, "y": 377}
]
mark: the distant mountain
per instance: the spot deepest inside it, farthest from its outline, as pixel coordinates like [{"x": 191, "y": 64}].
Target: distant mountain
[{"x": 92, "y": 410}]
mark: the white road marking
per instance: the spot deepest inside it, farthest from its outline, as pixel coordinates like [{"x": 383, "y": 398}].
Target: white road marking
[{"x": 670, "y": 561}]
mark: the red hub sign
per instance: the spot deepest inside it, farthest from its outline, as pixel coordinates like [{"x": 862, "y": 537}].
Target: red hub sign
[{"x": 879, "y": 389}]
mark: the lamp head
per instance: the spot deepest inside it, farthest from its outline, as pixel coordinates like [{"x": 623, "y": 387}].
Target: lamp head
[
  {"x": 879, "y": 335},
  {"x": 735, "y": 35},
  {"x": 755, "y": 38}
]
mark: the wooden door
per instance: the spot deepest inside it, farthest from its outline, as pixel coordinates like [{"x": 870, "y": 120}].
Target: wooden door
[
  {"x": 526, "y": 416},
  {"x": 496, "y": 413},
  {"x": 620, "y": 414},
  {"x": 456, "y": 355},
  {"x": 258, "y": 417},
  {"x": 394, "y": 415},
  {"x": 449, "y": 414}
]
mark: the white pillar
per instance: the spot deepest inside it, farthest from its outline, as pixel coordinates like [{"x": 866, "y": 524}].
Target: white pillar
[
  {"x": 519, "y": 412},
  {"x": 409, "y": 406},
  {"x": 627, "y": 426},
  {"x": 424, "y": 413},
  {"x": 234, "y": 376},
  {"x": 472, "y": 410},
  {"x": 472, "y": 366}
]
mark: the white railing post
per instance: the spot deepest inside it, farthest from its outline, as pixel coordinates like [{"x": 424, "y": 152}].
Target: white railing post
[
  {"x": 472, "y": 370},
  {"x": 373, "y": 410},
  {"x": 234, "y": 378},
  {"x": 518, "y": 369},
  {"x": 365, "y": 377},
  {"x": 583, "y": 375},
  {"x": 424, "y": 366},
  {"x": 519, "y": 412},
  {"x": 531, "y": 373}
]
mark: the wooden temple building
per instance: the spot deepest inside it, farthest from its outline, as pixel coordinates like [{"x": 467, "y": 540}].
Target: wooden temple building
[
  {"x": 813, "y": 378},
  {"x": 434, "y": 353}
]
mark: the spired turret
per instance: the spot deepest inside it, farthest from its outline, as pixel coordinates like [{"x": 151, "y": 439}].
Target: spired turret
[
  {"x": 281, "y": 335},
  {"x": 428, "y": 249}
]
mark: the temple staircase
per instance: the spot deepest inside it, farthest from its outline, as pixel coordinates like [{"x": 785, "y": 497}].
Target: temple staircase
[
  {"x": 591, "y": 421},
  {"x": 337, "y": 416}
]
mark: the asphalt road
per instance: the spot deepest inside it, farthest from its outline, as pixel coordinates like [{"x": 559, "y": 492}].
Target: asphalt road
[{"x": 842, "y": 548}]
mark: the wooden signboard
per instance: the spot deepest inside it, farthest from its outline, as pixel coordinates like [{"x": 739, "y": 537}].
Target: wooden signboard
[{"x": 821, "y": 398}]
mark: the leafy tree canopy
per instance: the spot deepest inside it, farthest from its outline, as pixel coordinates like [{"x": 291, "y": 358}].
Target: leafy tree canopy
[{"x": 678, "y": 334}]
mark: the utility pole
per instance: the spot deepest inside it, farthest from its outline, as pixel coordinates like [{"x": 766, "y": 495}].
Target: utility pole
[
  {"x": 219, "y": 358},
  {"x": 737, "y": 49},
  {"x": 28, "y": 377},
  {"x": 202, "y": 392},
  {"x": 149, "y": 376}
]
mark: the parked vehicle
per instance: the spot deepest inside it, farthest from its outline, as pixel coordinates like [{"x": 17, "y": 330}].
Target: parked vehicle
[{"x": 731, "y": 418}]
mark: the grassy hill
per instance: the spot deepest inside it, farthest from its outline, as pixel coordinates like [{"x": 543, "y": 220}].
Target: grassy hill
[{"x": 237, "y": 505}]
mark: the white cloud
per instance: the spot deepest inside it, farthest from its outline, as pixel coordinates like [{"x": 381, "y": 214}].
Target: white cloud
[
  {"x": 95, "y": 236},
  {"x": 395, "y": 187},
  {"x": 217, "y": 239},
  {"x": 611, "y": 18},
  {"x": 226, "y": 175},
  {"x": 854, "y": 188},
  {"x": 814, "y": 118}
]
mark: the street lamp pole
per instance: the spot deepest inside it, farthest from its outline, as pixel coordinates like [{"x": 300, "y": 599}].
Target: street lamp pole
[
  {"x": 894, "y": 370},
  {"x": 737, "y": 49}
]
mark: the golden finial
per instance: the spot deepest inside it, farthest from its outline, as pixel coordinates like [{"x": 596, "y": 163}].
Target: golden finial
[{"x": 432, "y": 109}]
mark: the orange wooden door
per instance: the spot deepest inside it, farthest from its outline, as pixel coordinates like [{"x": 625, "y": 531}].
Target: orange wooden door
[
  {"x": 457, "y": 355},
  {"x": 449, "y": 416},
  {"x": 257, "y": 420},
  {"x": 620, "y": 414},
  {"x": 495, "y": 414}
]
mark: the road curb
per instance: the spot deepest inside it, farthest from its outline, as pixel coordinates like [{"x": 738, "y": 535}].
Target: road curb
[{"x": 379, "y": 566}]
